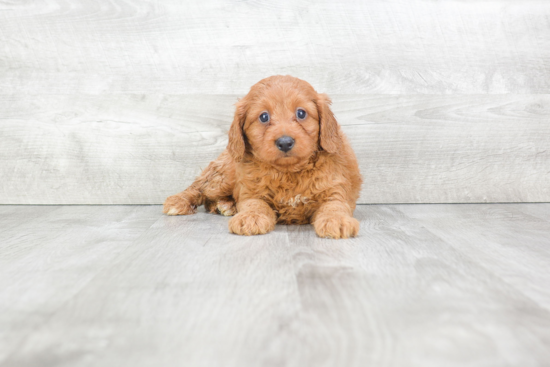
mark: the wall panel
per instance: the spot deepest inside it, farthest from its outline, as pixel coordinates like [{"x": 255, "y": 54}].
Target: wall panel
[{"x": 138, "y": 149}]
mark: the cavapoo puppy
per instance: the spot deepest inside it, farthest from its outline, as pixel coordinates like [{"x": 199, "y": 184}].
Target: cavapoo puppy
[{"x": 287, "y": 161}]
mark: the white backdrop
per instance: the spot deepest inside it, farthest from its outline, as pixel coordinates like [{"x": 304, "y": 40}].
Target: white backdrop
[{"x": 122, "y": 102}]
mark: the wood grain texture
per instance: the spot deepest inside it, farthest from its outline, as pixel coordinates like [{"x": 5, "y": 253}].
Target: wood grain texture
[
  {"x": 538, "y": 211},
  {"x": 138, "y": 149},
  {"x": 496, "y": 237},
  {"x": 49, "y": 254},
  {"x": 188, "y": 293},
  {"x": 223, "y": 47}
]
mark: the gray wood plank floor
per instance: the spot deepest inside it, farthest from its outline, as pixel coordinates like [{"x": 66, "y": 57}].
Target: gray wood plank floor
[{"x": 422, "y": 285}]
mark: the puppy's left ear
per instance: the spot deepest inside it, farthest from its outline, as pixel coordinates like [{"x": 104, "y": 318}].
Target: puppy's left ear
[
  {"x": 235, "y": 145},
  {"x": 329, "y": 135}
]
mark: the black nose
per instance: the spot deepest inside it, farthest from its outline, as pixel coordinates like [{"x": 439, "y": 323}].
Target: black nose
[{"x": 285, "y": 143}]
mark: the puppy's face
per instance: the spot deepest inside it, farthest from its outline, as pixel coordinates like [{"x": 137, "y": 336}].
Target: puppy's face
[
  {"x": 282, "y": 125},
  {"x": 281, "y": 120}
]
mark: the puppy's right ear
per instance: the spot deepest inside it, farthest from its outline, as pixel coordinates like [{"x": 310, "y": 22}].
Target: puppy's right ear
[{"x": 236, "y": 146}]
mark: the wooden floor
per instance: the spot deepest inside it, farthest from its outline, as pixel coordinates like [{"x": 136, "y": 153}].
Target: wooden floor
[{"x": 423, "y": 285}]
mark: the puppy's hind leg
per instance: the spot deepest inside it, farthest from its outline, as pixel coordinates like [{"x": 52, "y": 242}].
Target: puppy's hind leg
[
  {"x": 224, "y": 206},
  {"x": 213, "y": 188}
]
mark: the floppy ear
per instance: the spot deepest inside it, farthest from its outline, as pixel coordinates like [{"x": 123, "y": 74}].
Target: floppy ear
[
  {"x": 235, "y": 146},
  {"x": 329, "y": 137}
]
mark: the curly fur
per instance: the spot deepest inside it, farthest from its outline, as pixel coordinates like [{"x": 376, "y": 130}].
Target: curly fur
[{"x": 317, "y": 181}]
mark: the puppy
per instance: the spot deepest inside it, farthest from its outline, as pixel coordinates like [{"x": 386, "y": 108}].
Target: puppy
[{"x": 287, "y": 161}]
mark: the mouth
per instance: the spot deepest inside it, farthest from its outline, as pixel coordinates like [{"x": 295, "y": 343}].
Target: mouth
[{"x": 287, "y": 160}]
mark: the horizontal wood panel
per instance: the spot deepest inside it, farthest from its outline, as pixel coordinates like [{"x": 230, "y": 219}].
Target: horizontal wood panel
[
  {"x": 138, "y": 149},
  {"x": 223, "y": 47}
]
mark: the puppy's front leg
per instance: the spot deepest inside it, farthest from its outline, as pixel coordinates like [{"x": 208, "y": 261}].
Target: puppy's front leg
[
  {"x": 184, "y": 203},
  {"x": 334, "y": 219},
  {"x": 254, "y": 217}
]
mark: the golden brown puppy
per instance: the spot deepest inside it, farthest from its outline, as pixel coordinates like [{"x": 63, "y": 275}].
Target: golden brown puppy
[{"x": 287, "y": 161}]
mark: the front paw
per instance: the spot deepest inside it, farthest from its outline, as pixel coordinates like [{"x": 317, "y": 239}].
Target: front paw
[
  {"x": 336, "y": 226},
  {"x": 178, "y": 205},
  {"x": 248, "y": 224}
]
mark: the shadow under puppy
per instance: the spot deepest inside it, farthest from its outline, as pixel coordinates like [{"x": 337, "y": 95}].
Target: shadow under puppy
[{"x": 287, "y": 161}]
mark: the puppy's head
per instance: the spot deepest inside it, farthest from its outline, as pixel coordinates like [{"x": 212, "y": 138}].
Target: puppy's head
[{"x": 283, "y": 121}]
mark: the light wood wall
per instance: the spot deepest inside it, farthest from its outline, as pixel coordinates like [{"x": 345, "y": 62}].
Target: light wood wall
[{"x": 123, "y": 102}]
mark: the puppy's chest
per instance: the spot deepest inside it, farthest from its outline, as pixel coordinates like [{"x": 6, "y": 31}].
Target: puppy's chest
[
  {"x": 293, "y": 201},
  {"x": 294, "y": 196},
  {"x": 293, "y": 205}
]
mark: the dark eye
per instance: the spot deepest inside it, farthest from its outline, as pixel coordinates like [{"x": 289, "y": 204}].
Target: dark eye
[
  {"x": 301, "y": 114},
  {"x": 264, "y": 117}
]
